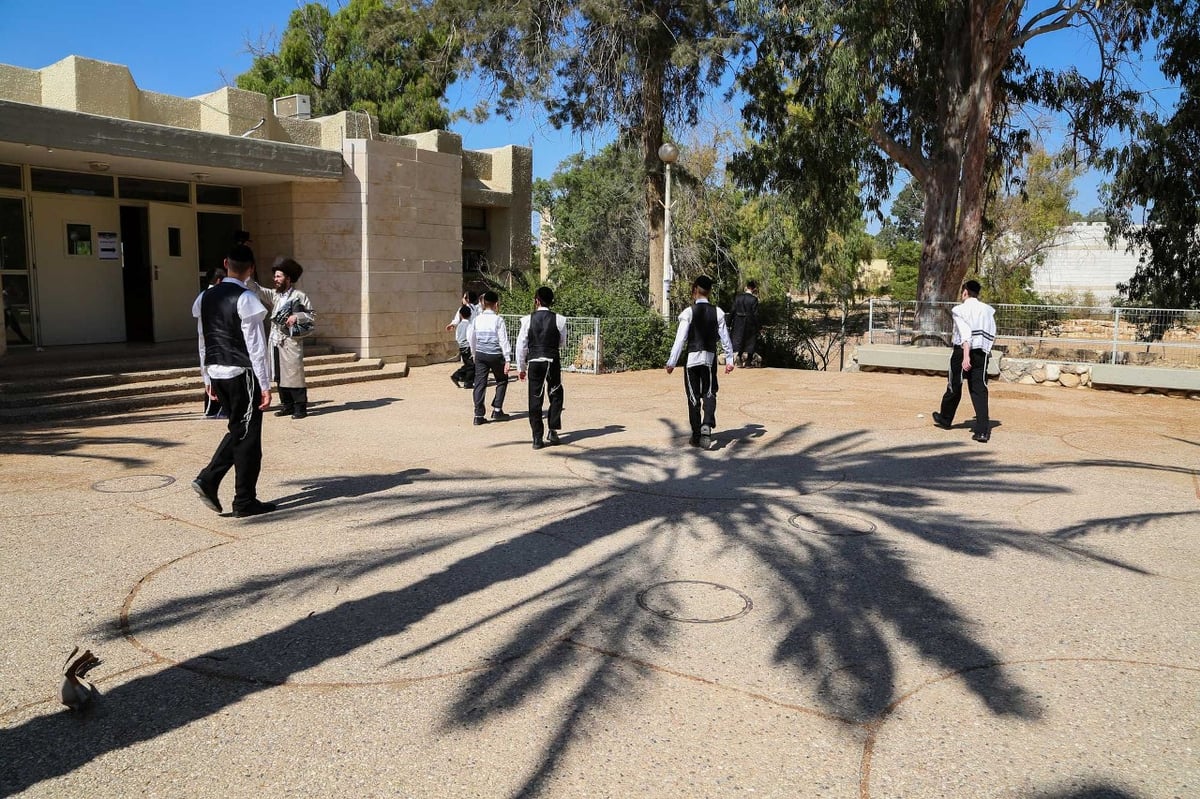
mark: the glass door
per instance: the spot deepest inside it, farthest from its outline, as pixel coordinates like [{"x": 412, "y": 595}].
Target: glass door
[{"x": 14, "y": 273}]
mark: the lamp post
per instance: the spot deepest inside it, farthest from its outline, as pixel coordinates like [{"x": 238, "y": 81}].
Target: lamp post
[{"x": 668, "y": 154}]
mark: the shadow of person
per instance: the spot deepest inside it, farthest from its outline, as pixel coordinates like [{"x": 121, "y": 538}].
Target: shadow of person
[
  {"x": 593, "y": 432},
  {"x": 317, "y": 409},
  {"x": 321, "y": 489}
]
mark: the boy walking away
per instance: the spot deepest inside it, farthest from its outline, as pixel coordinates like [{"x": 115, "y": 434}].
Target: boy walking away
[
  {"x": 233, "y": 360},
  {"x": 745, "y": 324},
  {"x": 700, "y": 328},
  {"x": 538, "y": 344},
  {"x": 464, "y": 376},
  {"x": 974, "y": 333},
  {"x": 488, "y": 339}
]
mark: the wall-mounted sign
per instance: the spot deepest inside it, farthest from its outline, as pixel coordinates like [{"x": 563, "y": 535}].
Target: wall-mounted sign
[{"x": 107, "y": 246}]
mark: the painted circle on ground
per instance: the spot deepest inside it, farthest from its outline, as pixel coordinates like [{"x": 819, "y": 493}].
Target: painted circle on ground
[
  {"x": 834, "y": 524},
  {"x": 694, "y": 601},
  {"x": 132, "y": 484}
]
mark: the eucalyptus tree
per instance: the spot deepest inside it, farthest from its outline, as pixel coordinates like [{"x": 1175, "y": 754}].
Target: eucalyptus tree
[
  {"x": 1159, "y": 172},
  {"x": 626, "y": 66},
  {"x": 844, "y": 95}
]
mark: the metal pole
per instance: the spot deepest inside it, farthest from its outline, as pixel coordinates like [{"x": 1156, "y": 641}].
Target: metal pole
[
  {"x": 1116, "y": 331},
  {"x": 596, "y": 345},
  {"x": 871, "y": 321},
  {"x": 667, "y": 275}
]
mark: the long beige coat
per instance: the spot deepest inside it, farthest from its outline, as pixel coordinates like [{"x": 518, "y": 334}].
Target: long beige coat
[{"x": 291, "y": 350}]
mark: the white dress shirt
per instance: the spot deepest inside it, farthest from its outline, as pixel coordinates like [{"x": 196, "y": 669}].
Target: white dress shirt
[
  {"x": 703, "y": 358},
  {"x": 252, "y": 312}
]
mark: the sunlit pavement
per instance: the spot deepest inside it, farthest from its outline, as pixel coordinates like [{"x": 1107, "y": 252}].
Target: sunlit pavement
[{"x": 836, "y": 599}]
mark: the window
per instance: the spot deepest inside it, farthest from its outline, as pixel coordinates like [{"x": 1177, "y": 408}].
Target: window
[
  {"x": 10, "y": 176},
  {"x": 174, "y": 242},
  {"x": 218, "y": 195},
  {"x": 474, "y": 219},
  {"x": 83, "y": 184},
  {"x": 160, "y": 190}
]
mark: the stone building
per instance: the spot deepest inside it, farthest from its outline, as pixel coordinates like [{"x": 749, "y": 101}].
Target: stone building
[{"x": 116, "y": 202}]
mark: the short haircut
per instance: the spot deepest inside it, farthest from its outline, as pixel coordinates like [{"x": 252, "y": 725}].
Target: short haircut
[
  {"x": 240, "y": 257},
  {"x": 973, "y": 288},
  {"x": 752, "y": 285},
  {"x": 545, "y": 295},
  {"x": 704, "y": 283},
  {"x": 465, "y": 312},
  {"x": 472, "y": 297},
  {"x": 491, "y": 297}
]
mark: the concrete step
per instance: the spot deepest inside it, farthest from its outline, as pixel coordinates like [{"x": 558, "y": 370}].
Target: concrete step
[
  {"x": 80, "y": 382},
  {"x": 179, "y": 392}
]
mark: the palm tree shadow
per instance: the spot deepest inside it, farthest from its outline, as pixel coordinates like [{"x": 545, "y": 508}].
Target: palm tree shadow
[{"x": 843, "y": 602}]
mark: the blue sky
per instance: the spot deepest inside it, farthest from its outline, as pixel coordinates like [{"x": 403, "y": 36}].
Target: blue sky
[{"x": 185, "y": 48}]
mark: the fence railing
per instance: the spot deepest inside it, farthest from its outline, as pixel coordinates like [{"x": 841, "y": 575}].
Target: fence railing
[
  {"x": 1162, "y": 336},
  {"x": 610, "y": 344}
]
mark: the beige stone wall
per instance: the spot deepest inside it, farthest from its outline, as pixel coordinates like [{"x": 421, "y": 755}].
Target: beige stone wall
[{"x": 20, "y": 85}]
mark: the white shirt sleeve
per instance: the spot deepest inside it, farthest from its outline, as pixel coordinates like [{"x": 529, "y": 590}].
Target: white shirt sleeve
[
  {"x": 502, "y": 334},
  {"x": 522, "y": 343},
  {"x": 252, "y": 312},
  {"x": 200, "y": 334},
  {"x": 681, "y": 333},
  {"x": 723, "y": 332}
]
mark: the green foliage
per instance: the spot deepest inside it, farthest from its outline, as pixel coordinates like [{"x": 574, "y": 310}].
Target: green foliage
[
  {"x": 905, "y": 260},
  {"x": 906, "y": 218},
  {"x": 1023, "y": 224},
  {"x": 1159, "y": 171},
  {"x": 385, "y": 59},
  {"x": 841, "y": 95}
]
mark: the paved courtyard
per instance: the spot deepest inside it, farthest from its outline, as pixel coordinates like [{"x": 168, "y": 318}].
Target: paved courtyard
[{"x": 837, "y": 600}]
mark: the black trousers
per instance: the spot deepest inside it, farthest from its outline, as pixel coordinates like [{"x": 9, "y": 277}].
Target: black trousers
[
  {"x": 493, "y": 364},
  {"x": 241, "y": 448},
  {"x": 745, "y": 335},
  {"x": 465, "y": 373},
  {"x": 700, "y": 383},
  {"x": 976, "y": 385},
  {"x": 545, "y": 379}
]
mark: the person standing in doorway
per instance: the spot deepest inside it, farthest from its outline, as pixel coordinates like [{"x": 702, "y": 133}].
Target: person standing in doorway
[
  {"x": 539, "y": 342},
  {"x": 745, "y": 324},
  {"x": 488, "y": 339},
  {"x": 974, "y": 334},
  {"x": 701, "y": 326},
  {"x": 233, "y": 361},
  {"x": 291, "y": 319}
]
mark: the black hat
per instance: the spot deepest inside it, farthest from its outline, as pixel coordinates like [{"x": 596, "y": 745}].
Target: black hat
[{"x": 289, "y": 267}]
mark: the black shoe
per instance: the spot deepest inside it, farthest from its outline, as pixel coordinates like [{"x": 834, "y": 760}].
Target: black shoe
[
  {"x": 694, "y": 441},
  {"x": 552, "y": 439},
  {"x": 300, "y": 412},
  {"x": 941, "y": 421},
  {"x": 537, "y": 443},
  {"x": 455, "y": 381},
  {"x": 208, "y": 494},
  {"x": 498, "y": 415},
  {"x": 286, "y": 410},
  {"x": 982, "y": 438},
  {"x": 255, "y": 508},
  {"x": 480, "y": 420}
]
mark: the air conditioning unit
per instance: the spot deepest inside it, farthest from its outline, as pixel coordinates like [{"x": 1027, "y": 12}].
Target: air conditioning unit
[{"x": 297, "y": 106}]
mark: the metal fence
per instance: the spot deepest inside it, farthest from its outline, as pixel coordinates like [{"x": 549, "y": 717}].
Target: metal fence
[
  {"x": 613, "y": 344},
  {"x": 1143, "y": 336}
]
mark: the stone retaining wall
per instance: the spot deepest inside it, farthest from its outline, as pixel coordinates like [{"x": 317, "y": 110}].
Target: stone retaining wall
[{"x": 1031, "y": 372}]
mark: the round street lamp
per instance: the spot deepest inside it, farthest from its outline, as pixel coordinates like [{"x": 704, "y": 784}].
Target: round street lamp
[{"x": 668, "y": 154}]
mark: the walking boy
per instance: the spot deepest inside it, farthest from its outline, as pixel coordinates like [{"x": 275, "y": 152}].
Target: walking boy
[
  {"x": 700, "y": 327},
  {"x": 488, "y": 339},
  {"x": 974, "y": 332},
  {"x": 233, "y": 360},
  {"x": 538, "y": 343},
  {"x": 464, "y": 376}
]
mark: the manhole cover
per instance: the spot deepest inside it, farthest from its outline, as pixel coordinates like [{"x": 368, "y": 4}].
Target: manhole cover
[
  {"x": 839, "y": 524},
  {"x": 133, "y": 483},
  {"x": 694, "y": 601}
]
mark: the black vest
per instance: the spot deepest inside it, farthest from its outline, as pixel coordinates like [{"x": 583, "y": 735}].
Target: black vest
[
  {"x": 544, "y": 339},
  {"x": 224, "y": 344},
  {"x": 702, "y": 333}
]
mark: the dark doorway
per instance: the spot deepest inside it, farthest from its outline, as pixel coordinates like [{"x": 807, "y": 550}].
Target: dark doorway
[
  {"x": 135, "y": 273},
  {"x": 215, "y": 233}
]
